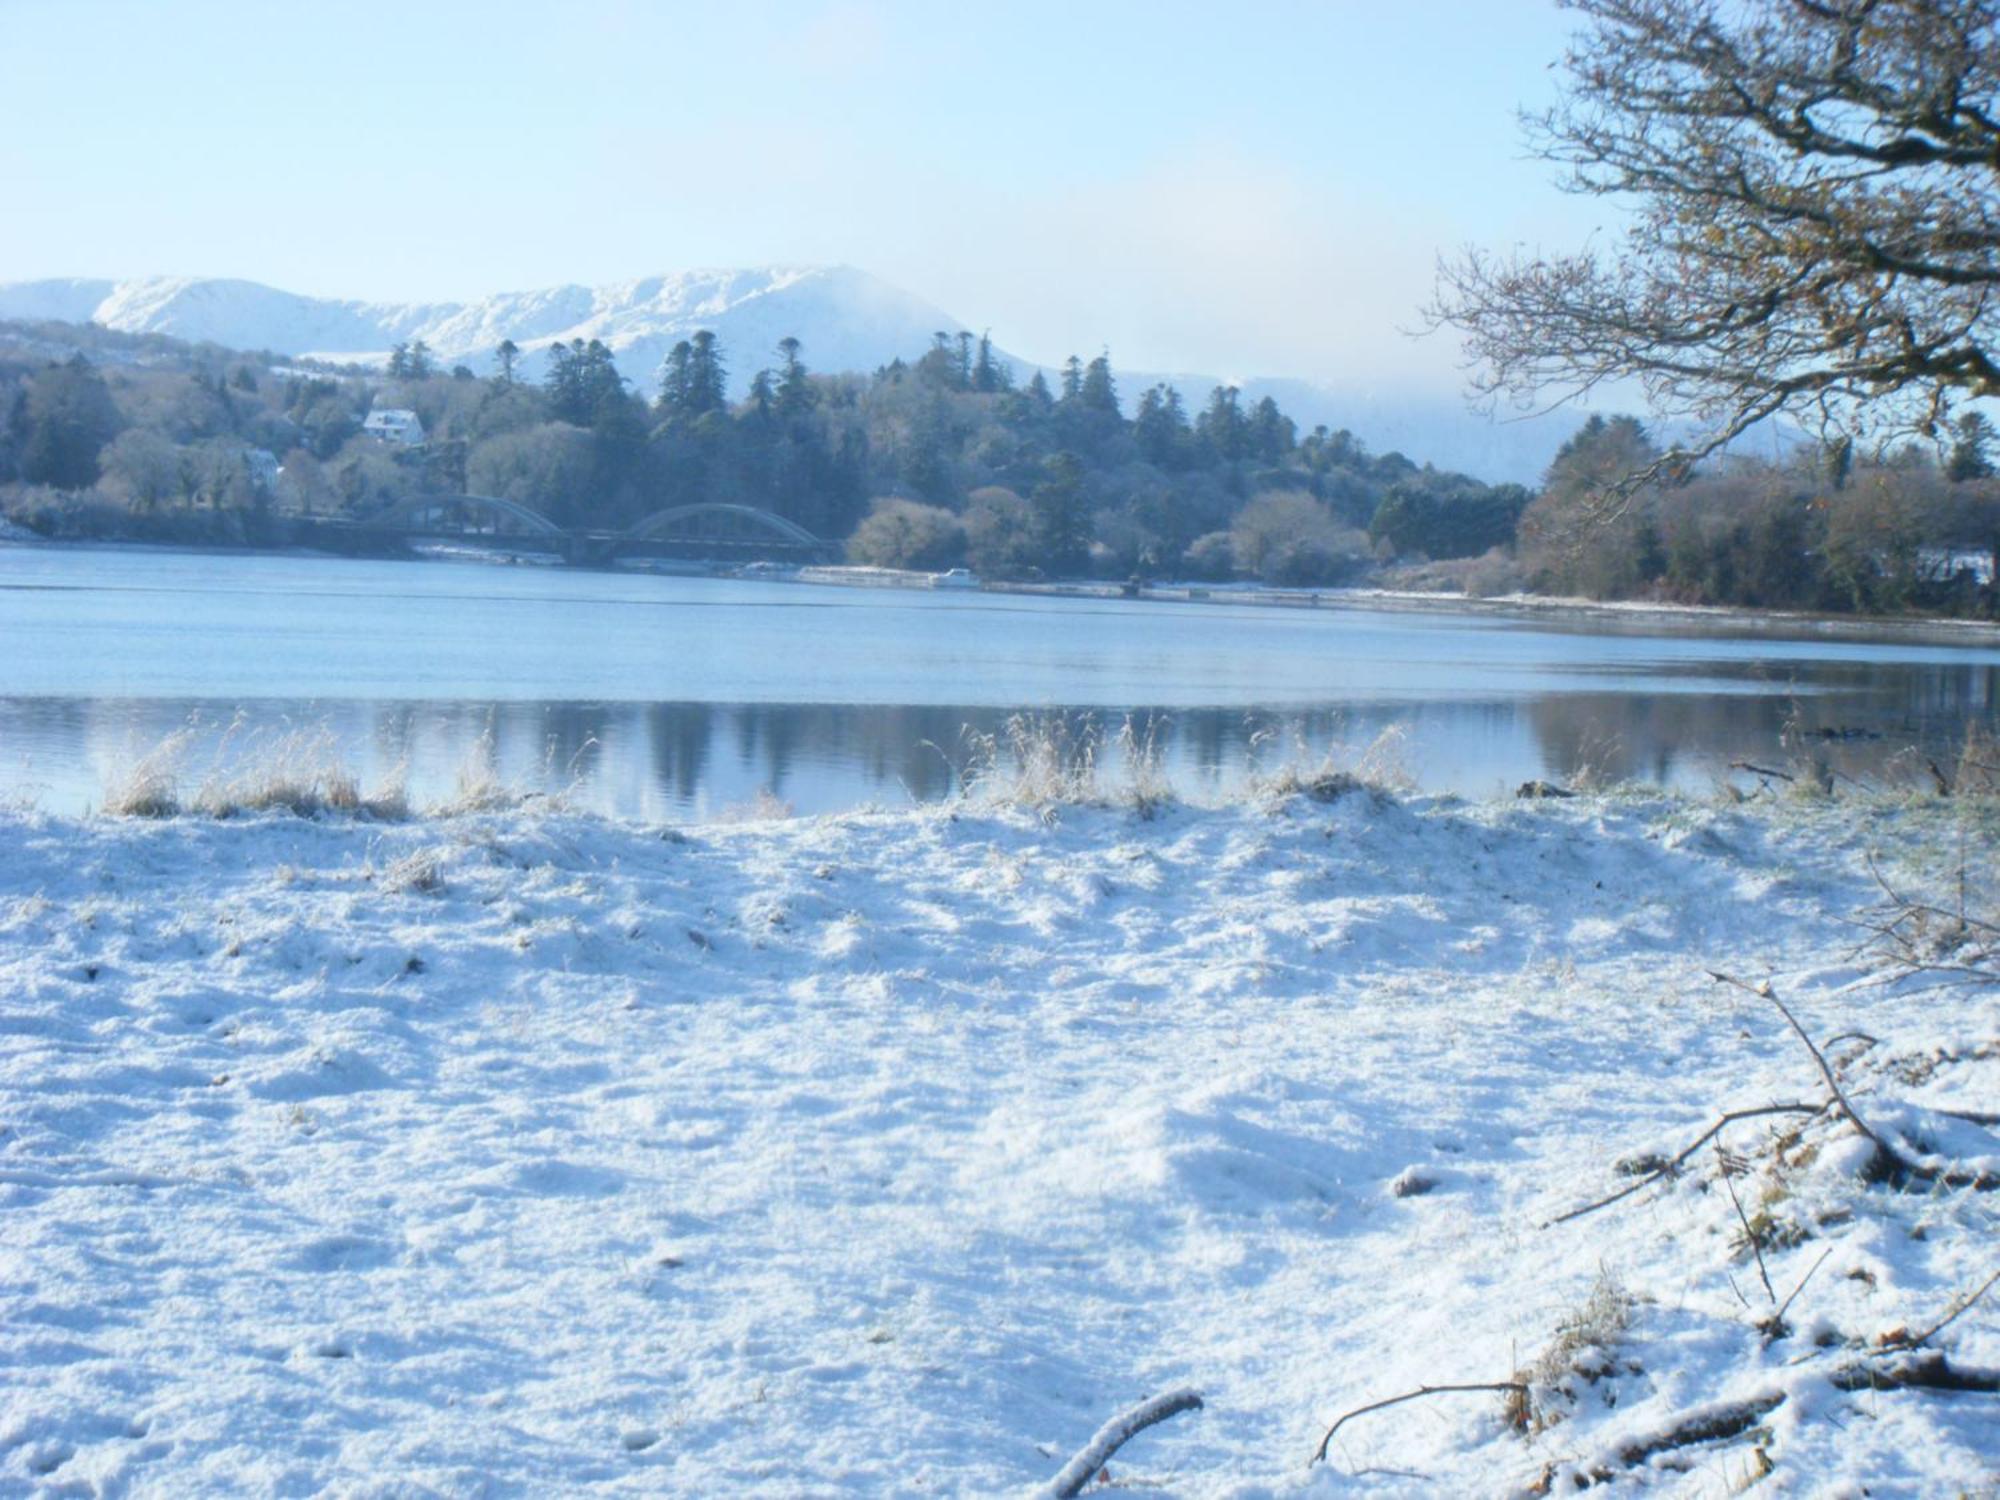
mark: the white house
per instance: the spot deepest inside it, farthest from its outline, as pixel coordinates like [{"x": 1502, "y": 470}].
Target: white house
[{"x": 395, "y": 425}]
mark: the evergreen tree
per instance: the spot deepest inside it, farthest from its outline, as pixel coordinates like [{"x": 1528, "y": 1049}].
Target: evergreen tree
[
  {"x": 796, "y": 395},
  {"x": 676, "y": 381},
  {"x": 939, "y": 365},
  {"x": 1040, "y": 398},
  {"x": 707, "y": 385},
  {"x": 1972, "y": 451},
  {"x": 964, "y": 369},
  {"x": 1223, "y": 427},
  {"x": 988, "y": 374},
  {"x": 399, "y": 362},
  {"x": 421, "y": 366},
  {"x": 1061, "y": 519},
  {"x": 508, "y": 353},
  {"x": 1072, "y": 381},
  {"x": 1272, "y": 435},
  {"x": 1096, "y": 391},
  {"x": 583, "y": 383},
  {"x": 64, "y": 422},
  {"x": 762, "y": 400},
  {"x": 1161, "y": 427}
]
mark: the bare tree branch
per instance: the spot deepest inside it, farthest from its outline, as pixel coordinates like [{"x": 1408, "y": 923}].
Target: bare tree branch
[{"x": 1816, "y": 225}]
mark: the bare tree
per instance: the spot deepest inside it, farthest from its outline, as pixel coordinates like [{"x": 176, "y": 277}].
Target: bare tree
[{"x": 1815, "y": 228}]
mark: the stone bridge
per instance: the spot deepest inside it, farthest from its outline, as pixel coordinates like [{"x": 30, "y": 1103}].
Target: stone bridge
[{"x": 709, "y": 530}]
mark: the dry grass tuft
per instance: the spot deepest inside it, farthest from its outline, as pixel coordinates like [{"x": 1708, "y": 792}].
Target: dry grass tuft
[
  {"x": 1046, "y": 761},
  {"x": 297, "y": 771},
  {"x": 1580, "y": 1351},
  {"x": 766, "y": 807},
  {"x": 420, "y": 870},
  {"x": 150, "y": 786},
  {"x": 1378, "y": 768}
]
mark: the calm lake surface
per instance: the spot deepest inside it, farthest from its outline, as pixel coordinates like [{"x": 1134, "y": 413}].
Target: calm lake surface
[{"x": 668, "y": 697}]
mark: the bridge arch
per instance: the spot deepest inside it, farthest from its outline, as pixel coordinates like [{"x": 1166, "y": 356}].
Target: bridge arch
[
  {"x": 659, "y": 525},
  {"x": 407, "y": 515}
]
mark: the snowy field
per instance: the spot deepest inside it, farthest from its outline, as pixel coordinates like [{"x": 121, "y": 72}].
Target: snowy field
[{"x": 531, "y": 1154}]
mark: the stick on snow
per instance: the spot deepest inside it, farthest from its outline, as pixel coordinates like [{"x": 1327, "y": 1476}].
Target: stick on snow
[
  {"x": 1885, "y": 1154},
  {"x": 1510, "y": 1387},
  {"x": 1112, "y": 1436},
  {"x": 1669, "y": 1168}
]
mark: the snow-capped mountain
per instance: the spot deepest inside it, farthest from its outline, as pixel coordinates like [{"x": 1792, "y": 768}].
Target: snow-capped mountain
[{"x": 845, "y": 318}]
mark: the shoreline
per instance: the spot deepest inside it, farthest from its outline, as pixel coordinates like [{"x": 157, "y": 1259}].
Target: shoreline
[{"x": 1946, "y": 630}]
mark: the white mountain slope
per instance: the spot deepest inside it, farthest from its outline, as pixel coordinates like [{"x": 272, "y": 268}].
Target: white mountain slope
[{"x": 847, "y": 320}]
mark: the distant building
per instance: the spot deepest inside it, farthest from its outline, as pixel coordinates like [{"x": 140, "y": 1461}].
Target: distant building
[{"x": 395, "y": 426}]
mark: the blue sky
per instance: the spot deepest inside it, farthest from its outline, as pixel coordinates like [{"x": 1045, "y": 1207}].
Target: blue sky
[{"x": 1246, "y": 189}]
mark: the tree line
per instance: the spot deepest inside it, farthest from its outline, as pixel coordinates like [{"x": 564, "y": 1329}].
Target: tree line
[
  {"x": 942, "y": 458},
  {"x": 948, "y": 459}
]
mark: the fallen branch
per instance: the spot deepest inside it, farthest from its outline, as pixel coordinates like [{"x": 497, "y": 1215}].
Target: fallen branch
[
  {"x": 1927, "y": 1371},
  {"x": 1964, "y": 1306},
  {"x": 1113, "y": 1435},
  {"x": 1885, "y": 1155},
  {"x": 1511, "y": 1387},
  {"x": 1744, "y": 765},
  {"x": 1668, "y": 1168},
  {"x": 1710, "y": 1426}
]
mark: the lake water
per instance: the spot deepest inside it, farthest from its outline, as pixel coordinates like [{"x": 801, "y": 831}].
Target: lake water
[{"x": 669, "y": 697}]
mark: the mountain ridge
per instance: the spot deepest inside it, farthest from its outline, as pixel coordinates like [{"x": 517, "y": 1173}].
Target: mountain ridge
[{"x": 847, "y": 319}]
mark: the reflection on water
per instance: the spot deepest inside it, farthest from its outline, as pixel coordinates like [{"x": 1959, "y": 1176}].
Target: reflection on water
[
  {"x": 699, "y": 760},
  {"x": 682, "y": 697}
]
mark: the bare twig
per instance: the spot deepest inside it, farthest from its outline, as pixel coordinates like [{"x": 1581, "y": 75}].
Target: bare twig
[
  {"x": 1884, "y": 1150},
  {"x": 1964, "y": 1306},
  {"x": 1755, "y": 1239},
  {"x": 1744, "y": 765},
  {"x": 1909, "y": 905},
  {"x": 1786, "y": 1306},
  {"x": 1113, "y": 1435},
  {"x": 1511, "y": 1387},
  {"x": 1669, "y": 1168}
]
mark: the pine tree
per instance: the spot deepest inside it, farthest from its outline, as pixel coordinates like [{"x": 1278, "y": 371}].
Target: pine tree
[
  {"x": 676, "y": 381},
  {"x": 1161, "y": 427},
  {"x": 1096, "y": 391},
  {"x": 1223, "y": 427},
  {"x": 1072, "y": 381},
  {"x": 1272, "y": 435},
  {"x": 1061, "y": 520},
  {"x": 507, "y": 354},
  {"x": 988, "y": 374},
  {"x": 707, "y": 385},
  {"x": 796, "y": 395},
  {"x": 421, "y": 365},
  {"x": 763, "y": 398},
  {"x": 399, "y": 362},
  {"x": 1972, "y": 452}
]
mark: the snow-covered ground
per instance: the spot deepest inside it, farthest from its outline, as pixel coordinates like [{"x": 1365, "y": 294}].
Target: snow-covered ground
[{"x": 527, "y": 1153}]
